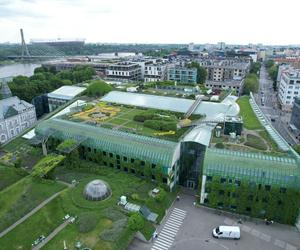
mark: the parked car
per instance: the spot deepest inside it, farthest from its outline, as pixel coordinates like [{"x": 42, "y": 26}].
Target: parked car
[{"x": 229, "y": 232}]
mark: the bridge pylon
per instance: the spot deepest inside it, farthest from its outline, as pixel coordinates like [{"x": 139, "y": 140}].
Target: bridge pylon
[{"x": 25, "y": 51}]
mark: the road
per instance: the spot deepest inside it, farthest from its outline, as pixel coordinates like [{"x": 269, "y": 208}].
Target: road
[
  {"x": 33, "y": 211},
  {"x": 189, "y": 227},
  {"x": 271, "y": 108}
]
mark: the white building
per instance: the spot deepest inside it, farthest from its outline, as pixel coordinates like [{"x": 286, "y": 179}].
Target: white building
[
  {"x": 62, "y": 95},
  {"x": 289, "y": 88},
  {"x": 15, "y": 116},
  {"x": 155, "y": 72}
]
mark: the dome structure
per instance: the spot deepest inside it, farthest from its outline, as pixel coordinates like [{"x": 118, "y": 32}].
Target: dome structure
[{"x": 96, "y": 190}]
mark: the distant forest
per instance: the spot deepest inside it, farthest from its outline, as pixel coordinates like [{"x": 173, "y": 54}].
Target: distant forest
[{"x": 88, "y": 49}]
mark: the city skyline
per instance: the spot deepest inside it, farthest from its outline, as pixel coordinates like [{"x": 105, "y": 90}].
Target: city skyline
[{"x": 134, "y": 21}]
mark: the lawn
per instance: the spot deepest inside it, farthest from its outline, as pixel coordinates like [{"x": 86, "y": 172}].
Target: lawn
[
  {"x": 109, "y": 230},
  {"x": 24, "y": 195},
  {"x": 10, "y": 175},
  {"x": 122, "y": 118},
  {"x": 255, "y": 142},
  {"x": 250, "y": 120}
]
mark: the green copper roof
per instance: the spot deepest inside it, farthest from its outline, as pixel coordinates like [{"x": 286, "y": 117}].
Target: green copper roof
[
  {"x": 255, "y": 167},
  {"x": 131, "y": 145}
]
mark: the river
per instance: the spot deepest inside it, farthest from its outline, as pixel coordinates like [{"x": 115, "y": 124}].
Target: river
[{"x": 25, "y": 69}]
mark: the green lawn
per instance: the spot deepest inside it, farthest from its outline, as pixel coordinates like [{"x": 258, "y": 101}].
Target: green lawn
[
  {"x": 10, "y": 175},
  {"x": 21, "y": 197},
  {"x": 255, "y": 142},
  {"x": 110, "y": 231},
  {"x": 248, "y": 115}
]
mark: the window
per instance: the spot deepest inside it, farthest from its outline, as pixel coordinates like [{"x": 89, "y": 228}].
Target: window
[
  {"x": 267, "y": 187},
  {"x": 222, "y": 180},
  {"x": 208, "y": 178},
  {"x": 237, "y": 182},
  {"x": 124, "y": 158},
  {"x": 104, "y": 153},
  {"x": 126, "y": 169},
  {"x": 118, "y": 157},
  {"x": 110, "y": 155},
  {"x": 282, "y": 190},
  {"x": 165, "y": 180},
  {"x": 105, "y": 163},
  {"x": 118, "y": 161},
  {"x": 132, "y": 160},
  {"x": 153, "y": 165},
  {"x": 89, "y": 149}
]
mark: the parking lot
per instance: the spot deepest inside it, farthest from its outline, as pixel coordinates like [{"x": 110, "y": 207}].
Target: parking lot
[{"x": 193, "y": 231}]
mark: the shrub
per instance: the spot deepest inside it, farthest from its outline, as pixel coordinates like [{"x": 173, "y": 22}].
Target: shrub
[
  {"x": 161, "y": 195},
  {"x": 98, "y": 88},
  {"x": 135, "y": 197},
  {"x": 87, "y": 107},
  {"x": 136, "y": 222},
  {"x": 87, "y": 222},
  {"x": 220, "y": 145}
]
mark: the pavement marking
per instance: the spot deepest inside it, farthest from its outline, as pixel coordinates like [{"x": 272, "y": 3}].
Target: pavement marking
[
  {"x": 169, "y": 231},
  {"x": 290, "y": 247},
  {"x": 279, "y": 243}
]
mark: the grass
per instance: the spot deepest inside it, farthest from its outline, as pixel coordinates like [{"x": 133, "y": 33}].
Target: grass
[
  {"x": 21, "y": 197},
  {"x": 109, "y": 214},
  {"x": 43, "y": 222},
  {"x": 250, "y": 120},
  {"x": 10, "y": 175},
  {"x": 255, "y": 142},
  {"x": 122, "y": 118},
  {"x": 264, "y": 134}
]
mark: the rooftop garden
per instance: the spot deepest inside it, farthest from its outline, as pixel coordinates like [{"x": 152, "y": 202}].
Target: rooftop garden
[
  {"x": 254, "y": 137},
  {"x": 99, "y": 224},
  {"x": 149, "y": 122}
]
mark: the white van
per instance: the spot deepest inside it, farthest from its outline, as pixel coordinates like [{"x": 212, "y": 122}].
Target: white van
[{"x": 229, "y": 232}]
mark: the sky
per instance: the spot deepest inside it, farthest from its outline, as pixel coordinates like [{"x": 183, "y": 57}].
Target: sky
[{"x": 273, "y": 22}]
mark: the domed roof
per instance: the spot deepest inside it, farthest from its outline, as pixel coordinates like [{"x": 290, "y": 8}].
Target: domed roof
[{"x": 96, "y": 190}]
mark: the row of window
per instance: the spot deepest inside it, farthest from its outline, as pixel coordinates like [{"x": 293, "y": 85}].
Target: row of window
[{"x": 238, "y": 183}]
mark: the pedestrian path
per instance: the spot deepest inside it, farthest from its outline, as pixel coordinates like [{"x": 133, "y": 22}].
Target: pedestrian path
[
  {"x": 256, "y": 233},
  {"x": 167, "y": 235}
]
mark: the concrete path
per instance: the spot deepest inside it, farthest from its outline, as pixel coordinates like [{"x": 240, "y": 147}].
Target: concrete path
[
  {"x": 52, "y": 235},
  {"x": 33, "y": 211}
]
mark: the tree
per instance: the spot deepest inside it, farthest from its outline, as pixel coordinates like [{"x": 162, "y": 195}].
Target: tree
[
  {"x": 201, "y": 72},
  {"x": 255, "y": 67},
  {"x": 251, "y": 84},
  {"x": 297, "y": 148},
  {"x": 98, "y": 88},
  {"x": 136, "y": 222}
]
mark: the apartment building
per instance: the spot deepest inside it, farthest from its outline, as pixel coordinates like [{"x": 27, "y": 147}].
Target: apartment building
[
  {"x": 124, "y": 71},
  {"x": 155, "y": 72},
  {"x": 182, "y": 75},
  {"x": 289, "y": 88}
]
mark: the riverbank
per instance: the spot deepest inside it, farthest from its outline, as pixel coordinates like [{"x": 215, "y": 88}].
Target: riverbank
[{"x": 7, "y": 62}]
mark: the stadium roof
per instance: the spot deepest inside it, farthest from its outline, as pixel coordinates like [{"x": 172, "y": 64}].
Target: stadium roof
[
  {"x": 150, "y": 149},
  {"x": 254, "y": 167}
]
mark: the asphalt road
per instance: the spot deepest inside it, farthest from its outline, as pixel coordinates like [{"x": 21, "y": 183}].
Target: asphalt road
[
  {"x": 194, "y": 232},
  {"x": 270, "y": 107}
]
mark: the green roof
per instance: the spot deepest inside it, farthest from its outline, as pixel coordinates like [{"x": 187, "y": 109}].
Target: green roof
[
  {"x": 254, "y": 167},
  {"x": 150, "y": 149}
]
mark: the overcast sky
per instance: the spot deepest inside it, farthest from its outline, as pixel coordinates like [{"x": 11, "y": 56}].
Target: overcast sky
[{"x": 153, "y": 21}]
